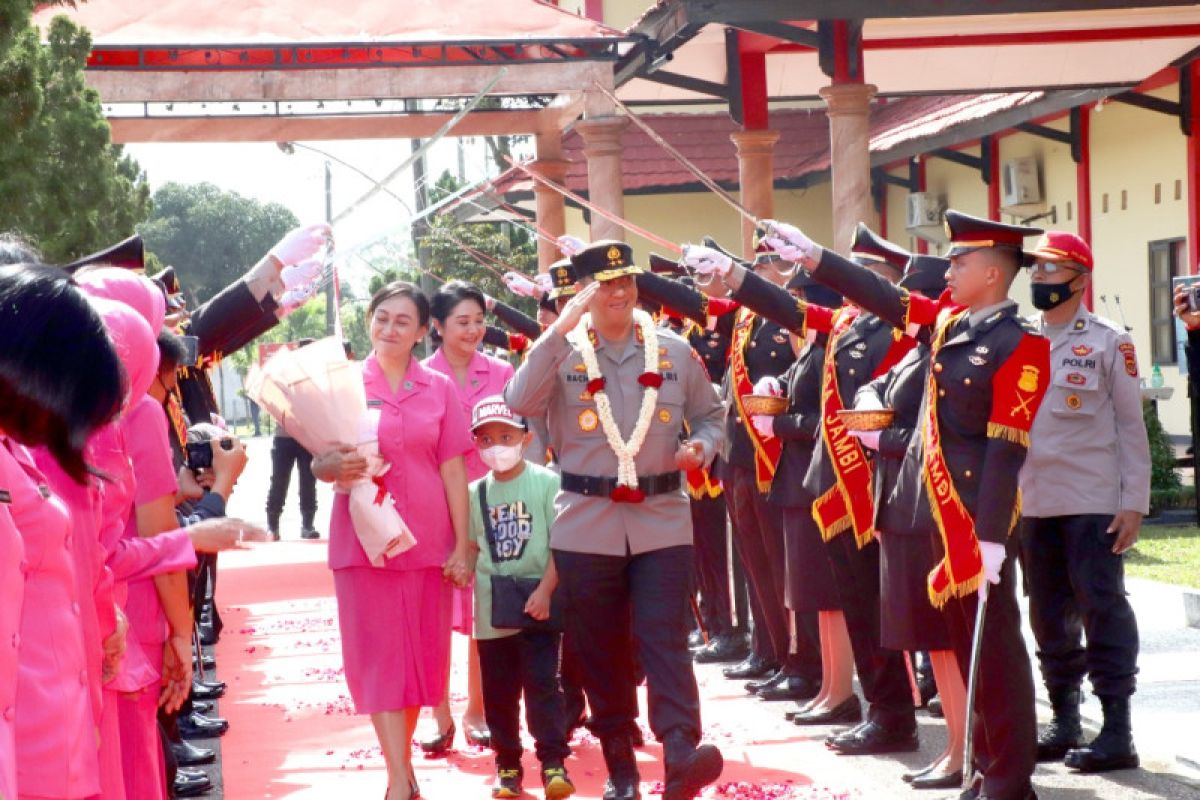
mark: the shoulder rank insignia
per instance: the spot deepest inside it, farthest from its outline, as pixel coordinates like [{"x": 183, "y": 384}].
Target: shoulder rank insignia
[{"x": 1079, "y": 324}]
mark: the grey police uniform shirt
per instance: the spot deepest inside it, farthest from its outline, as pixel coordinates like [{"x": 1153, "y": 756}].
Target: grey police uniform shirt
[
  {"x": 1088, "y": 450},
  {"x": 553, "y": 381}
]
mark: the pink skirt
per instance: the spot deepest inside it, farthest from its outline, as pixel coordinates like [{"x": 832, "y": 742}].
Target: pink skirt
[{"x": 395, "y": 636}]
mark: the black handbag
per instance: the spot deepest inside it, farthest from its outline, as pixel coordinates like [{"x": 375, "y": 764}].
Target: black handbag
[{"x": 510, "y": 593}]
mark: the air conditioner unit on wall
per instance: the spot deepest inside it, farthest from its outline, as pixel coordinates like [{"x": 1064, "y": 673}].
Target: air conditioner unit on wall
[
  {"x": 924, "y": 217},
  {"x": 1020, "y": 184}
]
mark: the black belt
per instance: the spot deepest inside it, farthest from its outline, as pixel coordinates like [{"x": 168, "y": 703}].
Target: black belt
[{"x": 604, "y": 487}]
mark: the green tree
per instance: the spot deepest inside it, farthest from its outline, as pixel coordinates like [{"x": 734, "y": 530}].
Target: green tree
[
  {"x": 211, "y": 236},
  {"x": 63, "y": 184}
]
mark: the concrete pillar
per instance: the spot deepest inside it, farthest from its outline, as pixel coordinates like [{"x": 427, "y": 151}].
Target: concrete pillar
[
  {"x": 756, "y": 176},
  {"x": 550, "y": 206},
  {"x": 848, "y": 106},
  {"x": 602, "y": 147}
]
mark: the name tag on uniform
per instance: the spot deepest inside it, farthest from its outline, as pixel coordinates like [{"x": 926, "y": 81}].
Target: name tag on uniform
[
  {"x": 44, "y": 491},
  {"x": 374, "y": 404},
  {"x": 5, "y": 496}
]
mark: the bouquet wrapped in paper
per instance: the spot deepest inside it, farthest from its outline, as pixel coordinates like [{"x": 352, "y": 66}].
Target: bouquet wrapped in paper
[{"x": 317, "y": 395}]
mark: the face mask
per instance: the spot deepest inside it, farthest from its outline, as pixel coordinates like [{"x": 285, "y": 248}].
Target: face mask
[
  {"x": 1050, "y": 295},
  {"x": 500, "y": 458}
]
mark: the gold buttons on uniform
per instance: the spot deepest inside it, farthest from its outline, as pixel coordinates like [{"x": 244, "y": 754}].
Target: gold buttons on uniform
[
  {"x": 937, "y": 366},
  {"x": 966, "y": 473},
  {"x": 851, "y": 371},
  {"x": 967, "y": 381},
  {"x": 941, "y": 392}
]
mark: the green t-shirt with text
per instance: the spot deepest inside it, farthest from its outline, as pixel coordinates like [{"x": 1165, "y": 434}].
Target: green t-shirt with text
[{"x": 521, "y": 512}]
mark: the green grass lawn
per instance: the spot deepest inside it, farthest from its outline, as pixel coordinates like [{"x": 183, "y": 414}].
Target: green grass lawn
[{"x": 1167, "y": 553}]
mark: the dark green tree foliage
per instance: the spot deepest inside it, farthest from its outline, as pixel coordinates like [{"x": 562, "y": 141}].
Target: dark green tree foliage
[
  {"x": 63, "y": 184},
  {"x": 211, "y": 236}
]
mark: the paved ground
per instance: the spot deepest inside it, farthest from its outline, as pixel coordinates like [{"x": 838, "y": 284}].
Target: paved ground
[{"x": 1166, "y": 709}]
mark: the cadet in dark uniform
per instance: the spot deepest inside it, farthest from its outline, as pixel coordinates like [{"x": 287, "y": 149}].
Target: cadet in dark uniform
[
  {"x": 908, "y": 621},
  {"x": 617, "y": 393},
  {"x": 758, "y": 348},
  {"x": 1085, "y": 486},
  {"x": 989, "y": 371},
  {"x": 838, "y": 479}
]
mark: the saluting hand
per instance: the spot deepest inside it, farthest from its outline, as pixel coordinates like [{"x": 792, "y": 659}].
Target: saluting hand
[
  {"x": 689, "y": 456},
  {"x": 1126, "y": 525},
  {"x": 575, "y": 308}
]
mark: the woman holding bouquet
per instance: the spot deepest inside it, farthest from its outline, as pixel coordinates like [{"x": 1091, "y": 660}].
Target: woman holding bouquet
[
  {"x": 458, "y": 318},
  {"x": 395, "y": 619}
]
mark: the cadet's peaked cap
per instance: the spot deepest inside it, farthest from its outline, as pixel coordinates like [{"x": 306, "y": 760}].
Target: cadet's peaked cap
[
  {"x": 969, "y": 233},
  {"x": 562, "y": 279},
  {"x": 870, "y": 246},
  {"x": 926, "y": 274},
  {"x": 127, "y": 254},
  {"x": 1060, "y": 246},
  {"x": 604, "y": 261},
  {"x": 661, "y": 265}
]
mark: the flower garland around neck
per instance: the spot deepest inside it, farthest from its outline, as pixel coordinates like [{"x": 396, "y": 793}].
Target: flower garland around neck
[{"x": 627, "y": 490}]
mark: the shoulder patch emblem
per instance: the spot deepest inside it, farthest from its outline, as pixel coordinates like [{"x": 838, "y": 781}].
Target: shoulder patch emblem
[
  {"x": 1028, "y": 382},
  {"x": 1082, "y": 350},
  {"x": 588, "y": 421},
  {"x": 1130, "y": 356}
]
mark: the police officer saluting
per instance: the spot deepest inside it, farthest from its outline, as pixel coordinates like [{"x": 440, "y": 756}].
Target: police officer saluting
[
  {"x": 1086, "y": 485},
  {"x": 617, "y": 391}
]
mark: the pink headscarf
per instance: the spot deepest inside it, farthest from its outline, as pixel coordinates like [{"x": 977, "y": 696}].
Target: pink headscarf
[
  {"x": 135, "y": 291},
  {"x": 134, "y": 342}
]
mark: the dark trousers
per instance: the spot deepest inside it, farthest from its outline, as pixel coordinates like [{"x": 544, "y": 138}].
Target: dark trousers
[
  {"x": 758, "y": 537},
  {"x": 710, "y": 534},
  {"x": 1005, "y": 732},
  {"x": 882, "y": 673},
  {"x": 286, "y": 452},
  {"x": 525, "y": 663},
  {"x": 617, "y": 603},
  {"x": 1076, "y": 587}
]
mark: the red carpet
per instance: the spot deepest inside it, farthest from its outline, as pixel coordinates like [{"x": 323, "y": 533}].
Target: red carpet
[{"x": 293, "y": 732}]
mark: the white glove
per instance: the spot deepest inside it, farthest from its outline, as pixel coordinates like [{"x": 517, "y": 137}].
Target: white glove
[
  {"x": 294, "y": 298},
  {"x": 302, "y": 273},
  {"x": 869, "y": 439},
  {"x": 303, "y": 243},
  {"x": 993, "y": 560},
  {"x": 764, "y": 425},
  {"x": 489, "y": 303},
  {"x": 519, "y": 285},
  {"x": 767, "y": 385},
  {"x": 867, "y": 401},
  {"x": 705, "y": 260},
  {"x": 787, "y": 240},
  {"x": 569, "y": 245},
  {"x": 544, "y": 282}
]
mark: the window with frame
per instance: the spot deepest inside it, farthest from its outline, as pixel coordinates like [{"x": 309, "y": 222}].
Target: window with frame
[{"x": 1168, "y": 258}]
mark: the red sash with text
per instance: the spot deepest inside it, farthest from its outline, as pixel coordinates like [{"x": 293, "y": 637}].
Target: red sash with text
[
  {"x": 849, "y": 503},
  {"x": 766, "y": 451},
  {"x": 961, "y": 569}
]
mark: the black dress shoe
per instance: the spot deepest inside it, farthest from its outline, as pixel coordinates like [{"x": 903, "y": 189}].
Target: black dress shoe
[
  {"x": 725, "y": 648},
  {"x": 188, "y": 755},
  {"x": 938, "y": 780},
  {"x": 800, "y": 708},
  {"x": 622, "y": 790},
  {"x": 792, "y": 687},
  {"x": 309, "y": 532},
  {"x": 189, "y": 784},
  {"x": 207, "y": 691},
  {"x": 198, "y": 726},
  {"x": 831, "y": 738},
  {"x": 934, "y": 707},
  {"x": 753, "y": 666},
  {"x": 776, "y": 677},
  {"x": 849, "y": 710},
  {"x": 202, "y": 706},
  {"x": 872, "y": 738}
]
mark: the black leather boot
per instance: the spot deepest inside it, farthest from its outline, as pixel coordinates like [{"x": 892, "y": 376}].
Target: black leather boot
[
  {"x": 1113, "y": 748},
  {"x": 689, "y": 768},
  {"x": 623, "y": 778},
  {"x": 1064, "y": 731}
]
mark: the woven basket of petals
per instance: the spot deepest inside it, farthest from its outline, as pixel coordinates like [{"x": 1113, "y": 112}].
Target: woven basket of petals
[
  {"x": 765, "y": 404},
  {"x": 867, "y": 420}
]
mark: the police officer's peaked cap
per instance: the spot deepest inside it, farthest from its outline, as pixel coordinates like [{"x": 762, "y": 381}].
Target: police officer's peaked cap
[
  {"x": 604, "y": 261},
  {"x": 870, "y": 246},
  {"x": 969, "y": 233},
  {"x": 128, "y": 254},
  {"x": 562, "y": 280},
  {"x": 926, "y": 274}
]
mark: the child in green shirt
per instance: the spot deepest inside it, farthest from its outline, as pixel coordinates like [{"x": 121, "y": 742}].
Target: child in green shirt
[{"x": 513, "y": 541}]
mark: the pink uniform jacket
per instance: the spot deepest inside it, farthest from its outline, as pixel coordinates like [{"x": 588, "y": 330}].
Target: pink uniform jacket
[
  {"x": 13, "y": 567},
  {"x": 486, "y": 376},
  {"x": 55, "y": 727}
]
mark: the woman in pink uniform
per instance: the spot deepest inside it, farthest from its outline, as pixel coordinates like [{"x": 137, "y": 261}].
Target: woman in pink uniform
[
  {"x": 12, "y": 594},
  {"x": 458, "y": 318},
  {"x": 61, "y": 380},
  {"x": 395, "y": 620}
]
